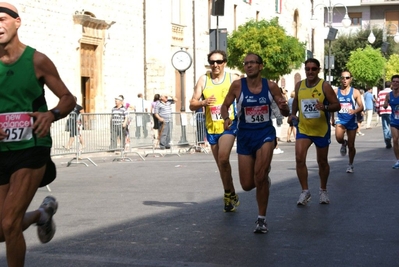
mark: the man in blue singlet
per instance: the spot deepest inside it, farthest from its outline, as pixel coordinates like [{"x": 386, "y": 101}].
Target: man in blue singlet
[
  {"x": 351, "y": 103},
  {"x": 25, "y": 141},
  {"x": 256, "y": 136},
  {"x": 392, "y": 99}
]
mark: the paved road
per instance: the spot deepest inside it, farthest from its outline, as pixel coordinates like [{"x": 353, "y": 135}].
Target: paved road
[{"x": 167, "y": 211}]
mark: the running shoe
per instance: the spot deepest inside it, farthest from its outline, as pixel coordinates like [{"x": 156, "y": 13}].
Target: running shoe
[
  {"x": 46, "y": 230},
  {"x": 324, "y": 197},
  {"x": 304, "y": 198},
  {"x": 235, "y": 200},
  {"x": 396, "y": 166},
  {"x": 228, "y": 205},
  {"x": 349, "y": 169},
  {"x": 343, "y": 148},
  {"x": 261, "y": 226}
]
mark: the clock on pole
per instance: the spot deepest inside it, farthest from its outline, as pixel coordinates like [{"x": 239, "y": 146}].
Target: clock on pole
[{"x": 181, "y": 61}]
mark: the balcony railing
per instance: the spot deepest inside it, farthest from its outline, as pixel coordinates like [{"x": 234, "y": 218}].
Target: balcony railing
[{"x": 378, "y": 2}]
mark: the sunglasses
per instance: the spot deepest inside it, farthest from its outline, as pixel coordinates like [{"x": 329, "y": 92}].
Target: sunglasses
[
  {"x": 311, "y": 69},
  {"x": 345, "y": 77},
  {"x": 212, "y": 62},
  {"x": 251, "y": 62}
]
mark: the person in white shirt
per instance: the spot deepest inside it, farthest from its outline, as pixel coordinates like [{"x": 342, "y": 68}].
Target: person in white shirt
[{"x": 140, "y": 107}]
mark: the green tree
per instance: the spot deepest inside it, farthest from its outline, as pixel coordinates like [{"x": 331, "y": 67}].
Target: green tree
[
  {"x": 281, "y": 53},
  {"x": 392, "y": 67},
  {"x": 367, "y": 65},
  {"x": 346, "y": 43}
]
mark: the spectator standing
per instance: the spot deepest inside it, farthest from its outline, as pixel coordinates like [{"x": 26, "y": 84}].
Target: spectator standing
[
  {"x": 155, "y": 120},
  {"x": 75, "y": 125},
  {"x": 25, "y": 161},
  {"x": 392, "y": 99},
  {"x": 119, "y": 119},
  {"x": 314, "y": 100},
  {"x": 369, "y": 106},
  {"x": 377, "y": 117},
  {"x": 256, "y": 136},
  {"x": 360, "y": 115},
  {"x": 291, "y": 127},
  {"x": 277, "y": 120},
  {"x": 129, "y": 110},
  {"x": 140, "y": 107},
  {"x": 163, "y": 112},
  {"x": 385, "y": 114}
]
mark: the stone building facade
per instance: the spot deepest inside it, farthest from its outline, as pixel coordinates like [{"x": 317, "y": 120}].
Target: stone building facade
[{"x": 106, "y": 48}]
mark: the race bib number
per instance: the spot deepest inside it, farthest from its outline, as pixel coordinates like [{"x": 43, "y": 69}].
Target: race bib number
[
  {"x": 18, "y": 126},
  {"x": 215, "y": 112},
  {"x": 345, "y": 107},
  {"x": 257, "y": 114},
  {"x": 309, "y": 110}
]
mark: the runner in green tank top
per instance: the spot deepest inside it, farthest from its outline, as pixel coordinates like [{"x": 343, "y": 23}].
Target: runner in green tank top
[{"x": 25, "y": 141}]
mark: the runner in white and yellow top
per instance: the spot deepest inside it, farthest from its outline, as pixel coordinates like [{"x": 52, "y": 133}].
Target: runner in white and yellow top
[
  {"x": 209, "y": 93},
  {"x": 314, "y": 99}
]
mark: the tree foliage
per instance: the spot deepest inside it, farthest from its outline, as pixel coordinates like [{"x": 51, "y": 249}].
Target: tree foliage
[
  {"x": 346, "y": 43},
  {"x": 367, "y": 65},
  {"x": 392, "y": 67},
  {"x": 281, "y": 53}
]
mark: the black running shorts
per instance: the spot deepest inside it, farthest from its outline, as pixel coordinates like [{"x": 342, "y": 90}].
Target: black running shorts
[{"x": 31, "y": 158}]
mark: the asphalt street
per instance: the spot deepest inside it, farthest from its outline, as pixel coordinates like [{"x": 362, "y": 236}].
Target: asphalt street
[{"x": 168, "y": 211}]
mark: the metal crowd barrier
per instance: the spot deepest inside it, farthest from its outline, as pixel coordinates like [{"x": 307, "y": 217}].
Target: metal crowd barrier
[
  {"x": 199, "y": 133},
  {"x": 87, "y": 133}
]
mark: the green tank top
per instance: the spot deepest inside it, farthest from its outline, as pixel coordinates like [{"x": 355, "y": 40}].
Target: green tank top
[{"x": 20, "y": 94}]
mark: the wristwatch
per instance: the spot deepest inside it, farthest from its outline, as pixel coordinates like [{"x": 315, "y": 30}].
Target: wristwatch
[
  {"x": 326, "y": 107},
  {"x": 57, "y": 114}
]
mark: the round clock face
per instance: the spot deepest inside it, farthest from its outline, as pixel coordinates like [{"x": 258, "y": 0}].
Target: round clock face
[{"x": 181, "y": 60}]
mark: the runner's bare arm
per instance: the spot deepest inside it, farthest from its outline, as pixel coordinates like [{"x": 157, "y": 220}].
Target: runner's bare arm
[
  {"x": 195, "y": 102},
  {"x": 294, "y": 104},
  {"x": 234, "y": 92},
  {"x": 359, "y": 101},
  {"x": 47, "y": 72},
  {"x": 333, "y": 103}
]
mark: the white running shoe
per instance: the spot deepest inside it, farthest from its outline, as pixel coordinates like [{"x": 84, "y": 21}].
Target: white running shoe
[
  {"x": 304, "y": 198},
  {"x": 261, "y": 226},
  {"x": 277, "y": 151},
  {"x": 349, "y": 169},
  {"x": 324, "y": 197}
]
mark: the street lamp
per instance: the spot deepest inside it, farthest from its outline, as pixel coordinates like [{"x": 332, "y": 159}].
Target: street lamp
[
  {"x": 346, "y": 22},
  {"x": 371, "y": 37}
]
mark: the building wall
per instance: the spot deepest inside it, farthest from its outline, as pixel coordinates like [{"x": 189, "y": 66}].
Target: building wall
[{"x": 138, "y": 47}]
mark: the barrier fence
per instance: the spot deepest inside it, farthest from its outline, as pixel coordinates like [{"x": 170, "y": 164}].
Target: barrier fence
[{"x": 87, "y": 133}]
